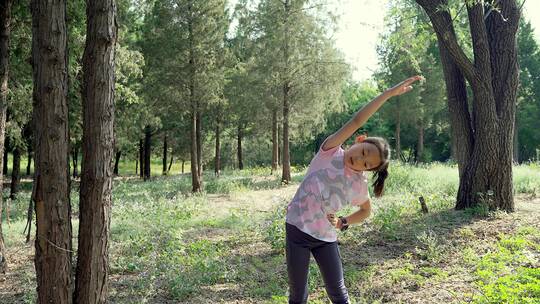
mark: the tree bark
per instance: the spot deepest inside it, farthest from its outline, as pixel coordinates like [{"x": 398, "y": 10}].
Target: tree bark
[
  {"x": 217, "y": 160},
  {"x": 275, "y": 144},
  {"x": 5, "y": 26},
  {"x": 15, "y": 173},
  {"x": 165, "y": 155},
  {"x": 117, "y": 162},
  {"x": 486, "y": 172},
  {"x": 239, "y": 136},
  {"x": 147, "y": 151},
  {"x": 51, "y": 187},
  {"x": 98, "y": 149}
]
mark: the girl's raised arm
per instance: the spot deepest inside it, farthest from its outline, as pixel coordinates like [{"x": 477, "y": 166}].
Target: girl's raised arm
[{"x": 360, "y": 118}]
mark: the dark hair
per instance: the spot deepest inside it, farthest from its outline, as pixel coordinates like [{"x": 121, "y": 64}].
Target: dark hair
[{"x": 380, "y": 173}]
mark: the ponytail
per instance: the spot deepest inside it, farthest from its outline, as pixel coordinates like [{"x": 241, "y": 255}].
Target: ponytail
[{"x": 380, "y": 176}]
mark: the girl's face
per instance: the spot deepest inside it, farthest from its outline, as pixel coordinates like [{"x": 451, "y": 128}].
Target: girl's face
[{"x": 362, "y": 157}]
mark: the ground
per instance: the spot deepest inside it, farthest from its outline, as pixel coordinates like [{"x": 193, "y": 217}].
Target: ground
[{"x": 433, "y": 258}]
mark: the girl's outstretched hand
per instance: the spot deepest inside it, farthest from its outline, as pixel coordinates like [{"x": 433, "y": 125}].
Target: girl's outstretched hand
[{"x": 404, "y": 86}]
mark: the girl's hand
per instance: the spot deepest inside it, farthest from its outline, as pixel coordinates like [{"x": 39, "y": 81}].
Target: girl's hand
[
  {"x": 333, "y": 219},
  {"x": 404, "y": 86}
]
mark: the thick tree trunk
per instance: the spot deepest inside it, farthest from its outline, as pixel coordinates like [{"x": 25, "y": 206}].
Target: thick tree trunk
[
  {"x": 217, "y": 160},
  {"x": 5, "y": 26},
  {"x": 141, "y": 158},
  {"x": 15, "y": 173},
  {"x": 147, "y": 151},
  {"x": 75, "y": 157},
  {"x": 117, "y": 157},
  {"x": 239, "y": 136},
  {"x": 165, "y": 155},
  {"x": 98, "y": 150},
  {"x": 51, "y": 188},
  {"x": 486, "y": 172},
  {"x": 275, "y": 144}
]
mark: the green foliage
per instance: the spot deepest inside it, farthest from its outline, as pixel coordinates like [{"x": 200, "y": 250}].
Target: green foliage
[{"x": 505, "y": 275}]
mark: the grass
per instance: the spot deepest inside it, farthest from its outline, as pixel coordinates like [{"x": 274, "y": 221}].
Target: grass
[{"x": 227, "y": 243}]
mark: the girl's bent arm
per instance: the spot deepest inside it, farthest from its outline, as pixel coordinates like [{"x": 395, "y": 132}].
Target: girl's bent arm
[{"x": 360, "y": 215}]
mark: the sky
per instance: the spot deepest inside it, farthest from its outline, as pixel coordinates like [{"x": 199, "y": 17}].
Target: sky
[{"x": 362, "y": 21}]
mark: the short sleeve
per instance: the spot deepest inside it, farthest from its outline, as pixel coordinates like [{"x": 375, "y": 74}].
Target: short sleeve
[{"x": 327, "y": 153}]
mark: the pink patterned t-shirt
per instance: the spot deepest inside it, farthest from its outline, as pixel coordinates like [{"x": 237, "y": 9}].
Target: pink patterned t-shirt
[{"x": 328, "y": 186}]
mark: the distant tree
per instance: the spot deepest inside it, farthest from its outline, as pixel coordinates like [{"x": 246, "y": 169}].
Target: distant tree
[{"x": 527, "y": 138}]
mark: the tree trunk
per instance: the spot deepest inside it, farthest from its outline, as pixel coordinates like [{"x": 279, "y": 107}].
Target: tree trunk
[
  {"x": 75, "y": 157},
  {"x": 286, "y": 90},
  {"x": 141, "y": 158},
  {"x": 117, "y": 162},
  {"x": 420, "y": 144},
  {"x": 199, "y": 143},
  {"x": 98, "y": 150},
  {"x": 486, "y": 172},
  {"x": 217, "y": 163},
  {"x": 165, "y": 155},
  {"x": 147, "y": 151},
  {"x": 15, "y": 173},
  {"x": 136, "y": 166},
  {"x": 170, "y": 163},
  {"x": 195, "y": 176},
  {"x": 286, "y": 172},
  {"x": 239, "y": 147},
  {"x": 183, "y": 163},
  {"x": 397, "y": 134},
  {"x": 5, "y": 26},
  {"x": 280, "y": 144},
  {"x": 275, "y": 144},
  {"x": 6, "y": 152},
  {"x": 29, "y": 164},
  {"x": 51, "y": 187}
]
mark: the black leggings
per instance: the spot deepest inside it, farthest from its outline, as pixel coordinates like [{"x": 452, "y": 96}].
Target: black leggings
[{"x": 299, "y": 245}]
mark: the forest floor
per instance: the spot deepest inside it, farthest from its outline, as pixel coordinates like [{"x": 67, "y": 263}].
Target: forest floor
[{"x": 226, "y": 246}]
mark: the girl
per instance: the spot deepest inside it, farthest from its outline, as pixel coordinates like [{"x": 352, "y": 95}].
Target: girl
[{"x": 335, "y": 177}]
